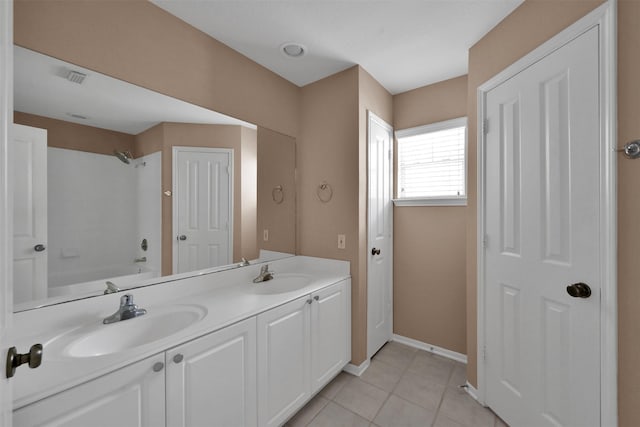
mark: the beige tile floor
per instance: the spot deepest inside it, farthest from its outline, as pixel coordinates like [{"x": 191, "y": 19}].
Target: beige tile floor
[{"x": 403, "y": 387}]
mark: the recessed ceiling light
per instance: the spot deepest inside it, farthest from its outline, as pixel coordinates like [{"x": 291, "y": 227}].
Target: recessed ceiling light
[{"x": 293, "y": 50}]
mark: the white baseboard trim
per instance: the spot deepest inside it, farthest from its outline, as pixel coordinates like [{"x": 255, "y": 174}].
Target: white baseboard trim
[
  {"x": 357, "y": 370},
  {"x": 458, "y": 357},
  {"x": 471, "y": 390}
]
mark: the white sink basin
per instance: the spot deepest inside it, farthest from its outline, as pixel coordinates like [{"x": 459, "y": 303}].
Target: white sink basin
[
  {"x": 282, "y": 283},
  {"x": 100, "y": 339}
]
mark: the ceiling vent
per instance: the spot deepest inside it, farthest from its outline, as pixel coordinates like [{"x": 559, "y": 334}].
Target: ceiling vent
[
  {"x": 76, "y": 77},
  {"x": 77, "y": 116}
]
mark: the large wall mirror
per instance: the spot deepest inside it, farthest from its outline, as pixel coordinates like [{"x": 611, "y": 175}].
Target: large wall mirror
[{"x": 115, "y": 183}]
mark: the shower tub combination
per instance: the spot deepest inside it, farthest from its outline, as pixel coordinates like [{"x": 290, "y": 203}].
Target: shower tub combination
[{"x": 81, "y": 282}]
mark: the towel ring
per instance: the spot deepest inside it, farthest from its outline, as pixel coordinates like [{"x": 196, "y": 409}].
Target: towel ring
[
  {"x": 277, "y": 194},
  {"x": 324, "y": 192}
]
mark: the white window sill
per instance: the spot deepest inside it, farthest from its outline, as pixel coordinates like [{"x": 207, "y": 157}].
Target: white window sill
[{"x": 453, "y": 201}]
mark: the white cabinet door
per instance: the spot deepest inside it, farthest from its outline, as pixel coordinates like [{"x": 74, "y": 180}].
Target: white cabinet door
[
  {"x": 283, "y": 361},
  {"x": 330, "y": 327},
  {"x": 212, "y": 380},
  {"x": 132, "y": 396}
]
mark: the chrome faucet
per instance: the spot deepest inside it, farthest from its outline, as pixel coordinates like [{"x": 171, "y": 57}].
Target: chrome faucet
[
  {"x": 127, "y": 310},
  {"x": 111, "y": 288},
  {"x": 243, "y": 262},
  {"x": 264, "y": 275}
]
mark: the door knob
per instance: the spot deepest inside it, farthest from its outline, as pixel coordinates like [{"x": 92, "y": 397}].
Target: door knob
[
  {"x": 375, "y": 251},
  {"x": 39, "y": 247},
  {"x": 14, "y": 359},
  {"x": 182, "y": 237},
  {"x": 579, "y": 290}
]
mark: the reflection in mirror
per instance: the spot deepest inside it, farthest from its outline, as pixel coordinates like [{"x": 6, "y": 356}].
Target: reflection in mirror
[{"x": 116, "y": 183}]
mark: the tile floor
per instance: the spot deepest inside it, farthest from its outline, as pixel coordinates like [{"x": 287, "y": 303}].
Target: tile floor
[{"x": 402, "y": 387}]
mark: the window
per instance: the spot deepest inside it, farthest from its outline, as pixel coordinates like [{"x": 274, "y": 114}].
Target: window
[{"x": 432, "y": 164}]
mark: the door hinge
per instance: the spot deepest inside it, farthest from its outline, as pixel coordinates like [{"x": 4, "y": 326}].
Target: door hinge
[
  {"x": 484, "y": 353},
  {"x": 485, "y": 126},
  {"x": 485, "y": 241},
  {"x": 390, "y": 156},
  {"x": 228, "y": 170}
]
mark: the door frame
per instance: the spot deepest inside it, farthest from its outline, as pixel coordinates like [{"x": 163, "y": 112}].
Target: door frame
[
  {"x": 605, "y": 17},
  {"x": 174, "y": 207},
  {"x": 6, "y": 228},
  {"x": 372, "y": 117}
]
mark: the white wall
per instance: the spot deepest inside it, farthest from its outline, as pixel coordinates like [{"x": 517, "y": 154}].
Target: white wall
[
  {"x": 149, "y": 200},
  {"x": 92, "y": 210}
]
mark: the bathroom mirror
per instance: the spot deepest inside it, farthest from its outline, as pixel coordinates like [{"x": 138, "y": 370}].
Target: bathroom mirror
[{"x": 129, "y": 186}]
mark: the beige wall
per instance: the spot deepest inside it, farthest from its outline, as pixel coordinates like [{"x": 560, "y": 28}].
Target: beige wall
[
  {"x": 327, "y": 150},
  {"x": 429, "y": 274},
  {"x": 276, "y": 166},
  {"x": 628, "y": 214},
  {"x": 72, "y": 136},
  {"x": 332, "y": 147},
  {"x": 140, "y": 43}
]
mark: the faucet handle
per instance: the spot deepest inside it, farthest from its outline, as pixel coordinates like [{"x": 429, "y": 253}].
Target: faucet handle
[{"x": 126, "y": 300}]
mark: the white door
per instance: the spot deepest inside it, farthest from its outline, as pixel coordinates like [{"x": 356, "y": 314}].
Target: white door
[
  {"x": 380, "y": 238},
  {"x": 329, "y": 331},
  {"x": 212, "y": 380},
  {"x": 131, "y": 396},
  {"x": 28, "y": 168},
  {"x": 284, "y": 346},
  {"x": 202, "y": 208},
  {"x": 542, "y": 224}
]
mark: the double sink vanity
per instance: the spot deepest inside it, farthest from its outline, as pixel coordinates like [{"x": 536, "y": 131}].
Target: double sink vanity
[{"x": 211, "y": 349}]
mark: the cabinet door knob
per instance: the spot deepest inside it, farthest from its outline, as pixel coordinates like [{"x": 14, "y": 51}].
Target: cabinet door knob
[
  {"x": 309, "y": 301},
  {"x": 39, "y": 247},
  {"x": 178, "y": 358},
  {"x": 158, "y": 366},
  {"x": 317, "y": 298},
  {"x": 375, "y": 251},
  {"x": 14, "y": 359},
  {"x": 182, "y": 237}
]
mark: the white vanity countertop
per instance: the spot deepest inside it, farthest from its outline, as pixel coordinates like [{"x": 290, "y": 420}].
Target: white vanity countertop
[{"x": 227, "y": 297}]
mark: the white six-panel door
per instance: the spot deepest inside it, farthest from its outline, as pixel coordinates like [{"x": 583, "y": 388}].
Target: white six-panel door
[
  {"x": 28, "y": 151},
  {"x": 542, "y": 201},
  {"x": 202, "y": 208},
  {"x": 380, "y": 238}
]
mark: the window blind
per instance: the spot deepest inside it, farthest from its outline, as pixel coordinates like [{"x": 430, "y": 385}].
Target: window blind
[{"x": 432, "y": 164}]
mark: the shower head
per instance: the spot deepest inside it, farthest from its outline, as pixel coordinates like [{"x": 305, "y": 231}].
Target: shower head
[{"x": 124, "y": 156}]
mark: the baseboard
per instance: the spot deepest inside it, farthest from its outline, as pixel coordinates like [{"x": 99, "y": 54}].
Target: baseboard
[
  {"x": 471, "y": 390},
  {"x": 453, "y": 355},
  {"x": 357, "y": 370}
]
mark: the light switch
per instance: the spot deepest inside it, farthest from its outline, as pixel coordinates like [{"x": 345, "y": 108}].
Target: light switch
[{"x": 342, "y": 241}]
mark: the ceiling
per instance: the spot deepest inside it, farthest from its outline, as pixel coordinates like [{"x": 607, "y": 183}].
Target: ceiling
[
  {"x": 41, "y": 88},
  {"x": 404, "y": 44}
]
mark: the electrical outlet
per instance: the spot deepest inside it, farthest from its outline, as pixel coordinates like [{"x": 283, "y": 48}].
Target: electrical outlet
[
  {"x": 342, "y": 241},
  {"x": 265, "y": 234}
]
